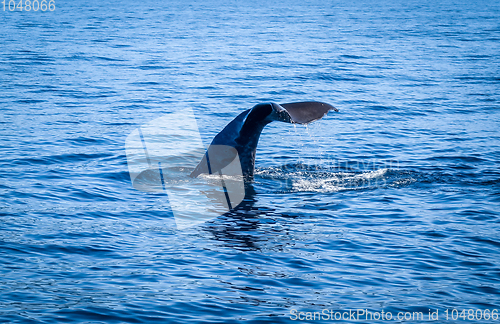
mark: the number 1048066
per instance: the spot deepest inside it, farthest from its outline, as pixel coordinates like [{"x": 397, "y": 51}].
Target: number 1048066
[{"x": 29, "y": 5}]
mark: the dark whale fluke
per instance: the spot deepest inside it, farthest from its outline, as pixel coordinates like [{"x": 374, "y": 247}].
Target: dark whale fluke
[{"x": 243, "y": 133}]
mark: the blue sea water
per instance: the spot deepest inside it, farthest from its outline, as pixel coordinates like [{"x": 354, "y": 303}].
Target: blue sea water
[{"x": 391, "y": 204}]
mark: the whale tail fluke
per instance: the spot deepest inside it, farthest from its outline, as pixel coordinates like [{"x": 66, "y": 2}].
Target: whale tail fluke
[
  {"x": 244, "y": 131},
  {"x": 308, "y": 111}
]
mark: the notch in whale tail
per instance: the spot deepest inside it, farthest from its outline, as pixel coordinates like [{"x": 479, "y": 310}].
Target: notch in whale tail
[{"x": 243, "y": 133}]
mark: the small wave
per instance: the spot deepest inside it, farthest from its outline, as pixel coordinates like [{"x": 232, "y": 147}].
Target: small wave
[
  {"x": 456, "y": 159},
  {"x": 218, "y": 177},
  {"x": 61, "y": 158},
  {"x": 109, "y": 59}
]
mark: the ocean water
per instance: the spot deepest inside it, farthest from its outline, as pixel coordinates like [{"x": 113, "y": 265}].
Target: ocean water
[{"x": 390, "y": 205}]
